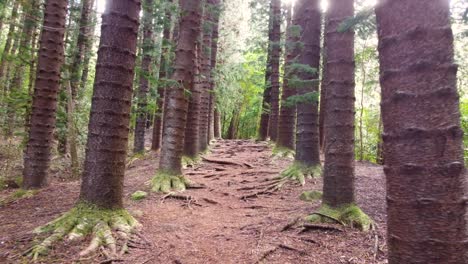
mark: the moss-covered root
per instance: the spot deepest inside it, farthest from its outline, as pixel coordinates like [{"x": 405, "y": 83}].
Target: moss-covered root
[
  {"x": 82, "y": 220},
  {"x": 300, "y": 172},
  {"x": 310, "y": 196},
  {"x": 190, "y": 161},
  {"x": 348, "y": 215},
  {"x": 165, "y": 183},
  {"x": 282, "y": 152}
]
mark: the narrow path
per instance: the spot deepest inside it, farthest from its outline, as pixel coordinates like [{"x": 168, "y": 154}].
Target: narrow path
[{"x": 220, "y": 223}]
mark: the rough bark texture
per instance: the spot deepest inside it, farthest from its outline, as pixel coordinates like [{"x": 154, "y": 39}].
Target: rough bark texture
[
  {"x": 206, "y": 74},
  {"x": 214, "y": 55},
  {"x": 177, "y": 100},
  {"x": 217, "y": 124},
  {"x": 163, "y": 72},
  {"x": 338, "y": 188},
  {"x": 147, "y": 58},
  {"x": 287, "y": 115},
  {"x": 323, "y": 94},
  {"x": 422, "y": 135},
  {"x": 51, "y": 55},
  {"x": 308, "y": 17},
  {"x": 265, "y": 116},
  {"x": 275, "y": 65},
  {"x": 106, "y": 150},
  {"x": 191, "y": 144}
]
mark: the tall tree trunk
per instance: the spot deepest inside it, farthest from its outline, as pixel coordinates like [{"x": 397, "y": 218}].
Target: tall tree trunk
[
  {"x": 106, "y": 149},
  {"x": 323, "y": 93},
  {"x": 422, "y": 135},
  {"x": 88, "y": 47},
  {"x": 142, "y": 97},
  {"x": 206, "y": 74},
  {"x": 192, "y": 135},
  {"x": 265, "y": 115},
  {"x": 338, "y": 187},
  {"x": 308, "y": 17},
  {"x": 163, "y": 74},
  {"x": 8, "y": 43},
  {"x": 232, "y": 130},
  {"x": 275, "y": 65},
  {"x": 287, "y": 115},
  {"x": 51, "y": 56},
  {"x": 177, "y": 101},
  {"x": 217, "y": 123},
  {"x": 214, "y": 55}
]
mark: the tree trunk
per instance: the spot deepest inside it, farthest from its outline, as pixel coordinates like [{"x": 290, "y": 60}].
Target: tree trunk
[
  {"x": 147, "y": 54},
  {"x": 287, "y": 115},
  {"x": 108, "y": 130},
  {"x": 163, "y": 74},
  {"x": 265, "y": 116},
  {"x": 338, "y": 187},
  {"x": 8, "y": 44},
  {"x": 217, "y": 124},
  {"x": 308, "y": 17},
  {"x": 51, "y": 56},
  {"x": 206, "y": 75},
  {"x": 422, "y": 135},
  {"x": 88, "y": 47},
  {"x": 177, "y": 101},
  {"x": 232, "y": 130},
  {"x": 275, "y": 65},
  {"x": 214, "y": 55},
  {"x": 323, "y": 93}
]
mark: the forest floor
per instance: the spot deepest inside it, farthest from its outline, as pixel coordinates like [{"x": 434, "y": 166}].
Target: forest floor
[{"x": 220, "y": 223}]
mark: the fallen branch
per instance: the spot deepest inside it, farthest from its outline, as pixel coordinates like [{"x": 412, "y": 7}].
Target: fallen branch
[
  {"x": 187, "y": 198},
  {"x": 290, "y": 224},
  {"x": 309, "y": 227}
]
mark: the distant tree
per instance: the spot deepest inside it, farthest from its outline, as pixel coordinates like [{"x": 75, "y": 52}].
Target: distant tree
[
  {"x": 216, "y": 7},
  {"x": 50, "y": 59},
  {"x": 147, "y": 59},
  {"x": 422, "y": 136},
  {"x": 169, "y": 176}
]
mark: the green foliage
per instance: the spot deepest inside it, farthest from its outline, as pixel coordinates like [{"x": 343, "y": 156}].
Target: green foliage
[
  {"x": 464, "y": 124},
  {"x": 310, "y": 196},
  {"x": 166, "y": 182},
  {"x": 300, "y": 172},
  {"x": 139, "y": 195}
]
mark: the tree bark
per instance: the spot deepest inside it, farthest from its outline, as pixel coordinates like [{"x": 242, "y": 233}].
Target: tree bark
[
  {"x": 106, "y": 150},
  {"x": 217, "y": 124},
  {"x": 287, "y": 115},
  {"x": 147, "y": 58},
  {"x": 323, "y": 94},
  {"x": 275, "y": 65},
  {"x": 338, "y": 188},
  {"x": 51, "y": 56},
  {"x": 214, "y": 55},
  {"x": 163, "y": 74},
  {"x": 177, "y": 101},
  {"x": 308, "y": 17},
  {"x": 422, "y": 135}
]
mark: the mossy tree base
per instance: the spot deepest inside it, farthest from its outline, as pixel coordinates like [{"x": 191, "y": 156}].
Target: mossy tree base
[
  {"x": 347, "y": 215},
  {"x": 85, "y": 219},
  {"x": 310, "y": 196},
  {"x": 166, "y": 182},
  {"x": 300, "y": 172},
  {"x": 283, "y": 152},
  {"x": 190, "y": 161}
]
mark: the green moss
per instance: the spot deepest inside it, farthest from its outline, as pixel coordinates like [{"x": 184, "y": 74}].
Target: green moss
[
  {"x": 166, "y": 182},
  {"x": 139, "y": 195},
  {"x": 21, "y": 193},
  {"x": 310, "y": 196},
  {"x": 348, "y": 215},
  {"x": 299, "y": 172},
  {"x": 190, "y": 161},
  {"x": 283, "y": 152}
]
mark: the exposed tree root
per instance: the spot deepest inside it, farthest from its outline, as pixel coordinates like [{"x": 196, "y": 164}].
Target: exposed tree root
[
  {"x": 348, "y": 215},
  {"x": 308, "y": 227},
  {"x": 282, "y": 152},
  {"x": 270, "y": 189},
  {"x": 165, "y": 182},
  {"x": 187, "y": 198},
  {"x": 84, "y": 219},
  {"x": 299, "y": 172},
  {"x": 227, "y": 162}
]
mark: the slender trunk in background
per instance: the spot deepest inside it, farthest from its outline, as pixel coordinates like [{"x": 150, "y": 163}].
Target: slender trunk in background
[
  {"x": 287, "y": 114},
  {"x": 275, "y": 65},
  {"x": 206, "y": 74},
  {"x": 191, "y": 143},
  {"x": 214, "y": 55},
  {"x": 163, "y": 74},
  {"x": 108, "y": 130},
  {"x": 307, "y": 16},
  {"x": 147, "y": 58},
  {"x": 88, "y": 46},
  {"x": 265, "y": 115},
  {"x": 217, "y": 124},
  {"x": 423, "y": 140},
  {"x": 338, "y": 177},
  {"x": 177, "y": 101},
  {"x": 8, "y": 45},
  {"x": 361, "y": 112},
  {"x": 323, "y": 93},
  {"x": 51, "y": 56},
  {"x": 232, "y": 130}
]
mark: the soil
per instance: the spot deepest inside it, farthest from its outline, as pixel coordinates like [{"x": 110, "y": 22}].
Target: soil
[{"x": 230, "y": 218}]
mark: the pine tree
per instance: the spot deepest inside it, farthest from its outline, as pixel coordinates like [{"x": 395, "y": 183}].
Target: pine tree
[{"x": 275, "y": 65}]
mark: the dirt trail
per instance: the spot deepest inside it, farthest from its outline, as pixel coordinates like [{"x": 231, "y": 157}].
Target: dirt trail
[{"x": 221, "y": 222}]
